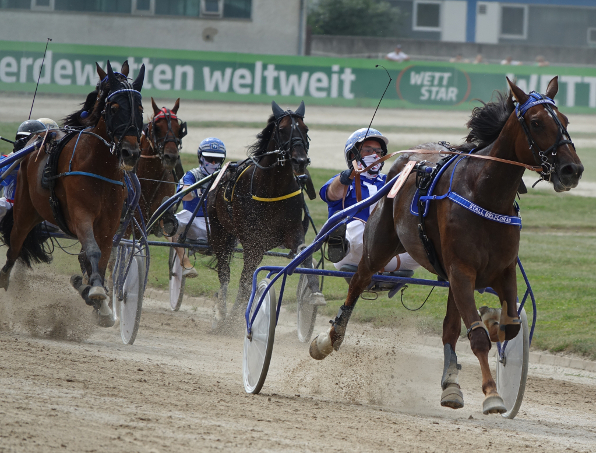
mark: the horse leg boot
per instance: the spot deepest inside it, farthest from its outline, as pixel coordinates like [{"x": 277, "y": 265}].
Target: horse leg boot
[
  {"x": 452, "y": 395},
  {"x": 5, "y": 274}
]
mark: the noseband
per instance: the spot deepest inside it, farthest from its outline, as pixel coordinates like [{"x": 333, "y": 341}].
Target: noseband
[
  {"x": 159, "y": 144},
  {"x": 542, "y": 157}
]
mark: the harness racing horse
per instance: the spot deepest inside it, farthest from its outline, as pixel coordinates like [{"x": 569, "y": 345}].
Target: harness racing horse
[
  {"x": 471, "y": 251},
  {"x": 159, "y": 167},
  {"x": 86, "y": 190},
  {"x": 261, "y": 204}
]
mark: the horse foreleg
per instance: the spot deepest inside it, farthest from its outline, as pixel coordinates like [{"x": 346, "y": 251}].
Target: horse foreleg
[
  {"x": 252, "y": 259},
  {"x": 452, "y": 396},
  {"x": 463, "y": 290},
  {"x": 374, "y": 258},
  {"x": 93, "y": 254},
  {"x": 506, "y": 287},
  {"x": 223, "y": 248}
]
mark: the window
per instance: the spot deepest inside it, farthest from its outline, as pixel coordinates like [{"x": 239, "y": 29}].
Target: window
[
  {"x": 239, "y": 9},
  {"x": 427, "y": 16},
  {"x": 15, "y": 4},
  {"x": 42, "y": 5},
  {"x": 212, "y": 8},
  {"x": 514, "y": 21},
  {"x": 591, "y": 35},
  {"x": 234, "y": 9},
  {"x": 94, "y": 6},
  {"x": 482, "y": 9},
  {"x": 143, "y": 7}
]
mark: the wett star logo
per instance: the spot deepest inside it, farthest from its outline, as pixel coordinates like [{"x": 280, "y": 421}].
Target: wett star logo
[{"x": 433, "y": 85}]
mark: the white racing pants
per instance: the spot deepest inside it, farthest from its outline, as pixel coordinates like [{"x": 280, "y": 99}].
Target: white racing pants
[
  {"x": 354, "y": 233},
  {"x": 5, "y": 206},
  {"x": 198, "y": 229}
]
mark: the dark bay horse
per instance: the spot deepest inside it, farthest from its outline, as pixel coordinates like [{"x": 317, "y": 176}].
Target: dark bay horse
[
  {"x": 158, "y": 167},
  {"x": 89, "y": 184},
  {"x": 472, "y": 251},
  {"x": 260, "y": 204}
]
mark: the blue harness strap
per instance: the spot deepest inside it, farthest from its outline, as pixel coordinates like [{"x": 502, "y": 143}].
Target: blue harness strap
[
  {"x": 93, "y": 175},
  {"x": 463, "y": 202}
]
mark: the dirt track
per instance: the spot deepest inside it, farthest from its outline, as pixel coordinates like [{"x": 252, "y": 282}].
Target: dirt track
[{"x": 69, "y": 386}]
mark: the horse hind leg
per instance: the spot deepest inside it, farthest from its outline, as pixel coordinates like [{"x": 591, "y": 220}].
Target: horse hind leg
[{"x": 223, "y": 248}]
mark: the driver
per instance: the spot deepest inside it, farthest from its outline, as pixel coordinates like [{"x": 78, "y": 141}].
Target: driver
[
  {"x": 211, "y": 154},
  {"x": 366, "y": 146},
  {"x": 10, "y": 181}
]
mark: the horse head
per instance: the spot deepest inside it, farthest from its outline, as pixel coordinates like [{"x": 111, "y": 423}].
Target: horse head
[
  {"x": 123, "y": 112},
  {"x": 166, "y": 132},
  {"x": 291, "y": 136},
  {"x": 545, "y": 130}
]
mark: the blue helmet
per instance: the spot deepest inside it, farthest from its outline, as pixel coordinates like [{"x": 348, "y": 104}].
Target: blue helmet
[
  {"x": 212, "y": 147},
  {"x": 351, "y": 151}
]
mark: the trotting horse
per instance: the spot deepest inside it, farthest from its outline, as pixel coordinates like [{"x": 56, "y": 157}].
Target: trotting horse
[
  {"x": 89, "y": 191},
  {"x": 471, "y": 251},
  {"x": 261, "y": 204},
  {"x": 158, "y": 166}
]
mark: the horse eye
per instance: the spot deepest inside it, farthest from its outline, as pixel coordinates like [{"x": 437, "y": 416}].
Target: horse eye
[
  {"x": 114, "y": 107},
  {"x": 535, "y": 123}
]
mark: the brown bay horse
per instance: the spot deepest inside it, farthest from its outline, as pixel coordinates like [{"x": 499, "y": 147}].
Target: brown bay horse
[
  {"x": 260, "y": 204},
  {"x": 473, "y": 252},
  {"x": 88, "y": 184},
  {"x": 159, "y": 167}
]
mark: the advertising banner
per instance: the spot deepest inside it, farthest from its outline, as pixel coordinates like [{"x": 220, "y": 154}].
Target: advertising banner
[{"x": 287, "y": 79}]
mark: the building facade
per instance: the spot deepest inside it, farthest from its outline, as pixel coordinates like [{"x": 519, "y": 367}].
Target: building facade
[
  {"x": 244, "y": 26},
  {"x": 564, "y": 23}
]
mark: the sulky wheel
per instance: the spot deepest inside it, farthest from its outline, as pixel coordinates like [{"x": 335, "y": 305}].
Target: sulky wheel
[
  {"x": 512, "y": 370},
  {"x": 131, "y": 304},
  {"x": 177, "y": 281},
  {"x": 258, "y": 348},
  {"x": 307, "y": 313}
]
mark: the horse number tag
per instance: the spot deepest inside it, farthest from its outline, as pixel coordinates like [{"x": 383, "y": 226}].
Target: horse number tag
[{"x": 402, "y": 179}]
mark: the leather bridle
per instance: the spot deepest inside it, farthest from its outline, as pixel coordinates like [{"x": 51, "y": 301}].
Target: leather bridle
[
  {"x": 159, "y": 144},
  {"x": 546, "y": 158}
]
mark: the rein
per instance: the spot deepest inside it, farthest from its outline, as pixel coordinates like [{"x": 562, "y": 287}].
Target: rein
[{"x": 356, "y": 173}]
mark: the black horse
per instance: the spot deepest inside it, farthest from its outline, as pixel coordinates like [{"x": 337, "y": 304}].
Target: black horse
[{"x": 260, "y": 204}]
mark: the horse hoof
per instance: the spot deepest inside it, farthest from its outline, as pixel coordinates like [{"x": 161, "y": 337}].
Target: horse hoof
[
  {"x": 321, "y": 346},
  {"x": 76, "y": 281},
  {"x": 493, "y": 404},
  {"x": 452, "y": 397},
  {"x": 4, "y": 278},
  {"x": 104, "y": 321},
  {"x": 97, "y": 293},
  {"x": 317, "y": 299}
]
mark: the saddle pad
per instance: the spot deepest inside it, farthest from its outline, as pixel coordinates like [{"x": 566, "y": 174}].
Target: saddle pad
[
  {"x": 50, "y": 170},
  {"x": 416, "y": 197}
]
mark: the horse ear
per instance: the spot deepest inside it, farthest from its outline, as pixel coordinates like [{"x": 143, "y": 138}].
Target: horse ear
[
  {"x": 277, "y": 110},
  {"x": 125, "y": 68},
  {"x": 517, "y": 92},
  {"x": 111, "y": 77},
  {"x": 155, "y": 107},
  {"x": 138, "y": 83},
  {"x": 553, "y": 87},
  {"x": 100, "y": 72},
  {"x": 300, "y": 110},
  {"x": 176, "y": 106}
]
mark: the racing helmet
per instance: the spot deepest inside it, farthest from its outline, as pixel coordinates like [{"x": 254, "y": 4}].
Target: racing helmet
[
  {"x": 25, "y": 130},
  {"x": 211, "y": 154},
  {"x": 49, "y": 123},
  {"x": 351, "y": 151}
]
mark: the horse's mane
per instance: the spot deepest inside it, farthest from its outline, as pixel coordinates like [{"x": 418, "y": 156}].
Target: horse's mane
[
  {"x": 93, "y": 105},
  {"x": 259, "y": 147},
  {"x": 487, "y": 121}
]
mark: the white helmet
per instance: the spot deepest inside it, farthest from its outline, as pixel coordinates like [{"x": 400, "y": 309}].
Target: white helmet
[
  {"x": 48, "y": 123},
  {"x": 351, "y": 151}
]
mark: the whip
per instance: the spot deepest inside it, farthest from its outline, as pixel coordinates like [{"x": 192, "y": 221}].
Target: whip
[{"x": 39, "y": 76}]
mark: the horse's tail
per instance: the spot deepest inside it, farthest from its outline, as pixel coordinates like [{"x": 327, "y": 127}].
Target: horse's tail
[{"x": 33, "y": 248}]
